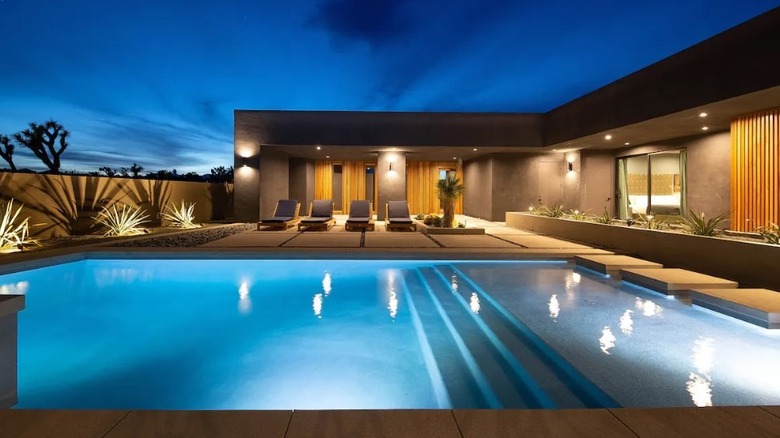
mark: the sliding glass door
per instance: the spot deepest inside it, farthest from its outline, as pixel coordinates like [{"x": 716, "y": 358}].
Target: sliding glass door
[{"x": 652, "y": 184}]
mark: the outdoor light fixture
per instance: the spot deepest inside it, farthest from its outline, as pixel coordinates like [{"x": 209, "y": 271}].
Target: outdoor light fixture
[
  {"x": 391, "y": 167},
  {"x": 244, "y": 162},
  {"x": 608, "y": 137},
  {"x": 570, "y": 166},
  {"x": 704, "y": 128},
  {"x": 703, "y": 115},
  {"x": 627, "y": 143},
  {"x": 319, "y": 147}
]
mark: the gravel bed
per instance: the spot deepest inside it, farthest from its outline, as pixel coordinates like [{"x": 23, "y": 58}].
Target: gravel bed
[{"x": 187, "y": 239}]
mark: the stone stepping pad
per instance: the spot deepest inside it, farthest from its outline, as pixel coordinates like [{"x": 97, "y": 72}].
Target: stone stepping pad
[
  {"x": 674, "y": 281},
  {"x": 613, "y": 263},
  {"x": 756, "y": 306}
]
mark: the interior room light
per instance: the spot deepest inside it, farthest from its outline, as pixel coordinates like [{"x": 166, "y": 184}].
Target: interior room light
[
  {"x": 608, "y": 137},
  {"x": 704, "y": 128},
  {"x": 703, "y": 114}
]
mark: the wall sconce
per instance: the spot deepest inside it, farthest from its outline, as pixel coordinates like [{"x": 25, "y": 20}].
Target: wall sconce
[
  {"x": 570, "y": 166},
  {"x": 391, "y": 167},
  {"x": 244, "y": 162}
]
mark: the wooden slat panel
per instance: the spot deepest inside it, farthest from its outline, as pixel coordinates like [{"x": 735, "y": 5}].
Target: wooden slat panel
[
  {"x": 421, "y": 179},
  {"x": 755, "y": 170},
  {"x": 323, "y": 181},
  {"x": 354, "y": 188}
]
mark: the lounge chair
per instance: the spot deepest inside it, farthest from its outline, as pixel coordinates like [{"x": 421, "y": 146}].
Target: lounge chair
[
  {"x": 285, "y": 215},
  {"x": 397, "y": 216},
  {"x": 359, "y": 216},
  {"x": 320, "y": 216}
]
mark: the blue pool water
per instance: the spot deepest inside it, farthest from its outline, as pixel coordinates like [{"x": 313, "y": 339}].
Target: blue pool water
[{"x": 264, "y": 334}]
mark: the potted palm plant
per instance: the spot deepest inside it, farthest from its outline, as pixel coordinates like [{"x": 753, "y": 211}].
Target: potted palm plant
[{"x": 449, "y": 190}]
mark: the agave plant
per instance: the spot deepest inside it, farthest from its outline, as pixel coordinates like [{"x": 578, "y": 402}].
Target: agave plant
[
  {"x": 699, "y": 225},
  {"x": 122, "y": 221},
  {"x": 554, "y": 211},
  {"x": 577, "y": 215},
  {"x": 181, "y": 217},
  {"x": 651, "y": 223},
  {"x": 14, "y": 236},
  {"x": 605, "y": 218},
  {"x": 771, "y": 233}
]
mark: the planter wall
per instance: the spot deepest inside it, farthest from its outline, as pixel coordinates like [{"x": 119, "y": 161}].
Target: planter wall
[{"x": 749, "y": 263}]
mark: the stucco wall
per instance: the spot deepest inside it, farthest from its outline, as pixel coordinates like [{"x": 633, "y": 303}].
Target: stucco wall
[
  {"x": 65, "y": 204},
  {"x": 391, "y": 185},
  {"x": 478, "y": 181},
  {"x": 274, "y": 179},
  {"x": 302, "y": 181}
]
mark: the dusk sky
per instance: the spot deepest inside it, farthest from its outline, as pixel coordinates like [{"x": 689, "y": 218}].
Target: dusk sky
[{"x": 156, "y": 82}]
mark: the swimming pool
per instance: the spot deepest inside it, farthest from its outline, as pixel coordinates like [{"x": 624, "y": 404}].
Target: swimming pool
[{"x": 305, "y": 334}]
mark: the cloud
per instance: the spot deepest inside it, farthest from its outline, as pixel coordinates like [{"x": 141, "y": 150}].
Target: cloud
[{"x": 376, "y": 22}]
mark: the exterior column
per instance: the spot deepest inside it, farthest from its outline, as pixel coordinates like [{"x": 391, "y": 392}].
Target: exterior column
[
  {"x": 391, "y": 184},
  {"x": 246, "y": 180}
]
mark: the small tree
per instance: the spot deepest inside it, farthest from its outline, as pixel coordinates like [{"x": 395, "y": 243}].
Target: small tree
[
  {"x": 47, "y": 142},
  {"x": 7, "y": 151},
  {"x": 449, "y": 190},
  {"x": 107, "y": 170},
  {"x": 222, "y": 174}
]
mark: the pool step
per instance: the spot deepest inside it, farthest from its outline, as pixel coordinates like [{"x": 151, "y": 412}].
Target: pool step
[
  {"x": 534, "y": 367},
  {"x": 458, "y": 373},
  {"x": 504, "y": 378}
]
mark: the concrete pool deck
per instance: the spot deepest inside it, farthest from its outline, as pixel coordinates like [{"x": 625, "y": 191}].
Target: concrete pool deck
[{"x": 597, "y": 423}]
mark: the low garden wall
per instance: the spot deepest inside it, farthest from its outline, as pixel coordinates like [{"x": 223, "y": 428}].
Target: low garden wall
[
  {"x": 749, "y": 263},
  {"x": 65, "y": 204}
]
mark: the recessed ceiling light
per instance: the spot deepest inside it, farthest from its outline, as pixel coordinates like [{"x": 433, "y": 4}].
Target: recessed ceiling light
[
  {"x": 454, "y": 158},
  {"x": 555, "y": 150},
  {"x": 704, "y": 128},
  {"x": 627, "y": 143},
  {"x": 608, "y": 137},
  {"x": 475, "y": 149},
  {"x": 327, "y": 156},
  {"x": 703, "y": 114},
  {"x": 318, "y": 148},
  {"x": 395, "y": 149}
]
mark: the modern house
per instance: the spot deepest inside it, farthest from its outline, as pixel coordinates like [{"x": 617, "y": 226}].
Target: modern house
[{"x": 699, "y": 130}]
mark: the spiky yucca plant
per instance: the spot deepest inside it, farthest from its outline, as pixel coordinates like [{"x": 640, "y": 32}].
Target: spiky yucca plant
[
  {"x": 771, "y": 233},
  {"x": 181, "y": 217},
  {"x": 123, "y": 221},
  {"x": 449, "y": 190},
  {"x": 651, "y": 223},
  {"x": 605, "y": 218},
  {"x": 554, "y": 211},
  {"x": 701, "y": 226},
  {"x": 578, "y": 215},
  {"x": 14, "y": 236}
]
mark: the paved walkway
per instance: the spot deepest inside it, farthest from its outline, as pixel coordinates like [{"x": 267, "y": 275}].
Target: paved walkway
[{"x": 497, "y": 238}]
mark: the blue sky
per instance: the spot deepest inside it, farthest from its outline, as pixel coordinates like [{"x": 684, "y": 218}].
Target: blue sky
[{"x": 156, "y": 82}]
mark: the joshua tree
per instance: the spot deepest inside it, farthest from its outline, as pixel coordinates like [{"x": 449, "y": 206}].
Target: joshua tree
[
  {"x": 7, "y": 151},
  {"x": 135, "y": 169},
  {"x": 449, "y": 190},
  {"x": 107, "y": 170},
  {"x": 47, "y": 142}
]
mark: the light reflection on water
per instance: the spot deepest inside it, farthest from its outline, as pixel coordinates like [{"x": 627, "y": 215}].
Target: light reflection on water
[
  {"x": 474, "y": 303},
  {"x": 607, "y": 339},
  {"x": 627, "y": 323},
  {"x": 699, "y": 384},
  {"x": 554, "y": 306}
]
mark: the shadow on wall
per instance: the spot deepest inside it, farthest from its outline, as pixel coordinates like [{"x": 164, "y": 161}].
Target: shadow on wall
[
  {"x": 151, "y": 195},
  {"x": 69, "y": 202},
  {"x": 221, "y": 196}
]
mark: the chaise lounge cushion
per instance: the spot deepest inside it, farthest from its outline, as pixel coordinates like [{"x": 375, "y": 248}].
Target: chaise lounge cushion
[
  {"x": 359, "y": 212},
  {"x": 285, "y": 211},
  {"x": 321, "y": 211},
  {"x": 398, "y": 212}
]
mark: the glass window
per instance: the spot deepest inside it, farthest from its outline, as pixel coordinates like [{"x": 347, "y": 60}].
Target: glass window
[{"x": 652, "y": 184}]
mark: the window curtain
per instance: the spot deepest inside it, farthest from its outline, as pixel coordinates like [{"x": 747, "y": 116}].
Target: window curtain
[
  {"x": 683, "y": 183},
  {"x": 623, "y": 210}
]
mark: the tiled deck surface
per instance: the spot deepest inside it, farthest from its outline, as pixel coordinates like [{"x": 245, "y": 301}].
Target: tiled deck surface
[
  {"x": 612, "y": 263},
  {"x": 674, "y": 281},
  {"x": 597, "y": 423}
]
